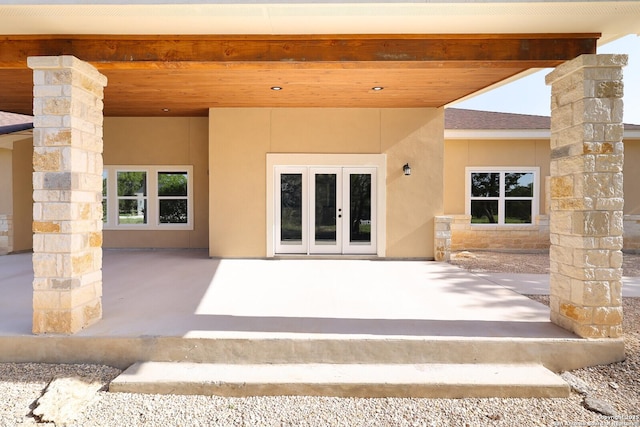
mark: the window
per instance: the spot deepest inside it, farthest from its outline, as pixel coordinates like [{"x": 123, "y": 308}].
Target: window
[
  {"x": 147, "y": 197},
  {"x": 502, "y": 195},
  {"x": 105, "y": 210}
]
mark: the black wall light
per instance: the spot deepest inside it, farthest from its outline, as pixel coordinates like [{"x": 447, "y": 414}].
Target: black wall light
[{"x": 406, "y": 169}]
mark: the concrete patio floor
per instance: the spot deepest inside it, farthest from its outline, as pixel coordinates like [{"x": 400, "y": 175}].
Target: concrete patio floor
[{"x": 184, "y": 295}]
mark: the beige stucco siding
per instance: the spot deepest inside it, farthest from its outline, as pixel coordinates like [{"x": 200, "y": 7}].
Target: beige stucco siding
[
  {"x": 463, "y": 153},
  {"x": 240, "y": 139},
  {"x": 22, "y": 195},
  {"x": 161, "y": 141},
  {"x": 416, "y": 137},
  {"x": 6, "y": 178},
  {"x": 632, "y": 177}
]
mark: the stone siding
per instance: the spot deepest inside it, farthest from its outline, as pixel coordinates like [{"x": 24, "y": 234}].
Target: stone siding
[
  {"x": 67, "y": 194},
  {"x": 442, "y": 241},
  {"x": 465, "y": 236},
  {"x": 586, "y": 221}
]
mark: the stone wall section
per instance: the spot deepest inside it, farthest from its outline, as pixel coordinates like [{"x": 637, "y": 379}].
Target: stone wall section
[
  {"x": 586, "y": 221},
  {"x": 6, "y": 234},
  {"x": 466, "y": 237},
  {"x": 442, "y": 241},
  {"x": 67, "y": 193}
]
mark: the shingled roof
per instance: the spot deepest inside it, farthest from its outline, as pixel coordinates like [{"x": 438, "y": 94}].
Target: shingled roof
[
  {"x": 458, "y": 118},
  {"x": 10, "y": 122}
]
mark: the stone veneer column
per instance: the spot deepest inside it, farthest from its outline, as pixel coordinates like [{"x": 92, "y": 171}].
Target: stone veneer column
[
  {"x": 586, "y": 195},
  {"x": 67, "y": 194}
]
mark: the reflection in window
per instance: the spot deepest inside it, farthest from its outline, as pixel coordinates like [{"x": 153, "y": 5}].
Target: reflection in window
[
  {"x": 105, "y": 211},
  {"x": 360, "y": 209},
  {"x": 325, "y": 214},
  {"x": 172, "y": 197},
  {"x": 485, "y": 184},
  {"x": 291, "y": 207},
  {"x": 484, "y": 212},
  {"x": 132, "y": 197}
]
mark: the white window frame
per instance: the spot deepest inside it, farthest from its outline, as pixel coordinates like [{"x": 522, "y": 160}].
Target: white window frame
[
  {"x": 153, "y": 200},
  {"x": 502, "y": 170}
]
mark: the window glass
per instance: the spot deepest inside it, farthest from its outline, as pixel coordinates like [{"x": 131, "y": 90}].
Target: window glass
[
  {"x": 132, "y": 192},
  {"x": 325, "y": 197},
  {"x": 172, "y": 184},
  {"x": 518, "y": 184},
  {"x": 132, "y": 211},
  {"x": 484, "y": 211},
  {"x": 173, "y": 211},
  {"x": 105, "y": 211},
  {"x": 485, "y": 184},
  {"x": 517, "y": 212},
  {"x": 172, "y": 195},
  {"x": 132, "y": 183},
  {"x": 360, "y": 209},
  {"x": 291, "y": 207}
]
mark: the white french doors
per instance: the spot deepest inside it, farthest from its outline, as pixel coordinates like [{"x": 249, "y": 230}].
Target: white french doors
[{"x": 325, "y": 210}]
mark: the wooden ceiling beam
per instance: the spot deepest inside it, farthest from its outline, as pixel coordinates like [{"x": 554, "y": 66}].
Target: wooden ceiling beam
[{"x": 130, "y": 52}]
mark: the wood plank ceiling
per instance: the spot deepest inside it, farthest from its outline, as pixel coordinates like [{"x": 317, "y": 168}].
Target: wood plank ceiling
[{"x": 186, "y": 75}]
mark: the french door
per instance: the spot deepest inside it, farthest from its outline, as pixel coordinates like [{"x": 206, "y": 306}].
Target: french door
[{"x": 325, "y": 210}]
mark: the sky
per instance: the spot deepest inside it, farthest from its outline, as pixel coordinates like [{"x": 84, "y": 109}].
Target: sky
[{"x": 530, "y": 95}]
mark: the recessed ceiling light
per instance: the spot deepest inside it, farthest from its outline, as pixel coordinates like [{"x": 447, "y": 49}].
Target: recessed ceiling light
[
  {"x": 276, "y": 87},
  {"x": 377, "y": 88},
  {"x": 166, "y": 110}
]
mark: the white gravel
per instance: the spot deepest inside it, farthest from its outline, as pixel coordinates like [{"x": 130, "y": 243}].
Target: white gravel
[{"x": 22, "y": 384}]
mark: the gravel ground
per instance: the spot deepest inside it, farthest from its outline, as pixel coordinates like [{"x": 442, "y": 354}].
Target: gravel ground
[{"x": 617, "y": 384}]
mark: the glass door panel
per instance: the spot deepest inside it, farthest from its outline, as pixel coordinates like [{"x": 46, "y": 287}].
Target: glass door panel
[
  {"x": 360, "y": 191},
  {"x": 326, "y": 214},
  {"x": 325, "y": 210},
  {"x": 291, "y": 211}
]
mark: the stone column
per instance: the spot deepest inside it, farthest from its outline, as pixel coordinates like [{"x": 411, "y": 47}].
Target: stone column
[
  {"x": 586, "y": 195},
  {"x": 67, "y": 194}
]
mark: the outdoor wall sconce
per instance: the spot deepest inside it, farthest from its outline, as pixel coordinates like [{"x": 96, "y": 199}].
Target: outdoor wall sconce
[{"x": 406, "y": 169}]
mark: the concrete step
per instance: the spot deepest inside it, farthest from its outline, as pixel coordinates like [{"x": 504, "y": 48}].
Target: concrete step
[{"x": 342, "y": 380}]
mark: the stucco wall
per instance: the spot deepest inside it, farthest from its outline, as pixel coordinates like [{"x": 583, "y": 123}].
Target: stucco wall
[
  {"x": 240, "y": 138},
  {"x": 22, "y": 195},
  {"x": 161, "y": 141},
  {"x": 631, "y": 177},
  {"x": 6, "y": 178}
]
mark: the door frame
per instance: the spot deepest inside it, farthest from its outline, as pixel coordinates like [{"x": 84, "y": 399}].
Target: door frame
[{"x": 378, "y": 161}]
